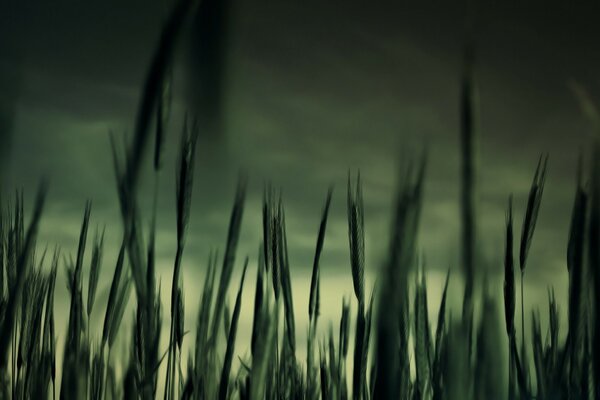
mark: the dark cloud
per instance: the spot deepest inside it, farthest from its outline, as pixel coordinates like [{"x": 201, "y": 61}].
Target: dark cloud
[{"x": 313, "y": 90}]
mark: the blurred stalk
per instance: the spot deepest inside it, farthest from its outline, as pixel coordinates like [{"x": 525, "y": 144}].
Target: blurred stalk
[{"x": 468, "y": 112}]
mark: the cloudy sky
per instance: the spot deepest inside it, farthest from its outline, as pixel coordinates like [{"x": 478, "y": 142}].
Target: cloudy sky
[{"x": 312, "y": 90}]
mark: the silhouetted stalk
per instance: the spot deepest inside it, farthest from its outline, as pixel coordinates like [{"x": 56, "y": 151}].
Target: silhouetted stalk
[
  {"x": 468, "y": 113},
  {"x": 183, "y": 198}
]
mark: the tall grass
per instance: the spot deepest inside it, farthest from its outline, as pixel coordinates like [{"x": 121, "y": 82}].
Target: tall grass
[{"x": 441, "y": 364}]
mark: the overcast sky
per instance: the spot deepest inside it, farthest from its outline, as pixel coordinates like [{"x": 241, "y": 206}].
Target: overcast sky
[{"x": 312, "y": 90}]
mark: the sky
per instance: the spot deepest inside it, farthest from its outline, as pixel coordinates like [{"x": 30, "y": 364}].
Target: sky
[{"x": 311, "y": 91}]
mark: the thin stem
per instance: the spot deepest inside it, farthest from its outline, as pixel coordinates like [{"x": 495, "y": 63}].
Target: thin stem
[
  {"x": 169, "y": 387},
  {"x": 522, "y": 311},
  {"x": 510, "y": 369}
]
